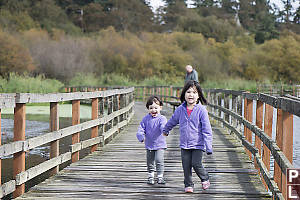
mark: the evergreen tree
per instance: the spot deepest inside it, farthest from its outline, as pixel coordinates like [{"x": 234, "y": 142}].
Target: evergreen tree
[
  {"x": 255, "y": 17},
  {"x": 287, "y": 12},
  {"x": 229, "y": 6},
  {"x": 204, "y": 3},
  {"x": 174, "y": 10},
  {"x": 297, "y": 16}
]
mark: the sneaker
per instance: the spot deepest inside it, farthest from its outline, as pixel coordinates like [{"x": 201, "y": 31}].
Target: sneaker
[
  {"x": 205, "y": 185},
  {"x": 189, "y": 190},
  {"x": 161, "y": 180},
  {"x": 150, "y": 181}
]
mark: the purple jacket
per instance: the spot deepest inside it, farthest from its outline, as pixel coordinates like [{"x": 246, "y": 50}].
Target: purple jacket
[
  {"x": 150, "y": 131},
  {"x": 195, "y": 130}
]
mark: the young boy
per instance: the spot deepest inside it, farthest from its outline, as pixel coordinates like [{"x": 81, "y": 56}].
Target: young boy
[{"x": 150, "y": 132}]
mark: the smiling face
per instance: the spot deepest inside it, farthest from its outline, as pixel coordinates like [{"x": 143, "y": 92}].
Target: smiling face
[
  {"x": 191, "y": 96},
  {"x": 154, "y": 109}
]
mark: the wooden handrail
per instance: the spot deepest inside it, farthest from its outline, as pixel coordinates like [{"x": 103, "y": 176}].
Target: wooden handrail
[
  {"x": 233, "y": 119},
  {"x": 120, "y": 110}
]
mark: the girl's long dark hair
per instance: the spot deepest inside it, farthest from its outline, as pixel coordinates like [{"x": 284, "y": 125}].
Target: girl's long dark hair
[{"x": 196, "y": 85}]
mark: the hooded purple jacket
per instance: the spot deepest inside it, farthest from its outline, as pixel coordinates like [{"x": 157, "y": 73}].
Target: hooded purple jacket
[
  {"x": 150, "y": 131},
  {"x": 195, "y": 130}
]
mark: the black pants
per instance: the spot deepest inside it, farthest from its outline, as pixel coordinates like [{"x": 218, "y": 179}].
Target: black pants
[{"x": 192, "y": 158}]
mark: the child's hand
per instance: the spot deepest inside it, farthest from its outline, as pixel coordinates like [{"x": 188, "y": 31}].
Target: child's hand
[
  {"x": 142, "y": 141},
  {"x": 209, "y": 153},
  {"x": 165, "y": 134}
]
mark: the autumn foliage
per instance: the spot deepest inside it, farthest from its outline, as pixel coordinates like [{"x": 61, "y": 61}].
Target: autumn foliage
[{"x": 64, "y": 40}]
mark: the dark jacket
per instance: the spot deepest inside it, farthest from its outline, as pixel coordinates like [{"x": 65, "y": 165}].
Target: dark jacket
[{"x": 191, "y": 76}]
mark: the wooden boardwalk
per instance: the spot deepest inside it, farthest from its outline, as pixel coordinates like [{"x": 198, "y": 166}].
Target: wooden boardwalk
[{"x": 118, "y": 171}]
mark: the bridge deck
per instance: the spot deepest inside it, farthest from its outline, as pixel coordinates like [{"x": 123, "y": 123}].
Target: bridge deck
[{"x": 118, "y": 171}]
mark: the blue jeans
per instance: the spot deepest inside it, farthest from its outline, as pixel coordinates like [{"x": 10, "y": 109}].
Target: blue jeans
[
  {"x": 156, "y": 156},
  {"x": 192, "y": 158}
]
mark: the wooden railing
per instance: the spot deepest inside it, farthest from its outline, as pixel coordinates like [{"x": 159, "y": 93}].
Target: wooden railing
[
  {"x": 279, "y": 89},
  {"x": 111, "y": 110},
  {"x": 229, "y": 112},
  {"x": 234, "y": 109}
]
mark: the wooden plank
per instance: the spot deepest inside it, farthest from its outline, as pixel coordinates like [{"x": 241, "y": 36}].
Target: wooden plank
[
  {"x": 59, "y": 97},
  {"x": 12, "y": 148},
  {"x": 7, "y": 101},
  {"x": 7, "y": 188},
  {"x": 22, "y": 177}
]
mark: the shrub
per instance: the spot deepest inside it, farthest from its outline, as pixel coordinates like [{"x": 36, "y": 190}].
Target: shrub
[{"x": 27, "y": 84}]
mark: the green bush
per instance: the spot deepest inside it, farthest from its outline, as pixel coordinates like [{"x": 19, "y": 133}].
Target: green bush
[
  {"x": 231, "y": 84},
  {"x": 115, "y": 80},
  {"x": 84, "y": 80},
  {"x": 27, "y": 84}
]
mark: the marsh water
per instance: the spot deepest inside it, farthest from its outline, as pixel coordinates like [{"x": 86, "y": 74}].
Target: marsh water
[{"x": 37, "y": 123}]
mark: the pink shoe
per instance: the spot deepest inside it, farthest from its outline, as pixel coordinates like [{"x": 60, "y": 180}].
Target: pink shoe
[
  {"x": 188, "y": 190},
  {"x": 205, "y": 185}
]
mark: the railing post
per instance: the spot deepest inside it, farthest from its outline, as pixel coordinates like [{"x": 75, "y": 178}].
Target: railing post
[
  {"x": 94, "y": 116},
  {"x": 75, "y": 120},
  {"x": 19, "y": 135},
  {"x": 248, "y": 114},
  {"x": 234, "y": 108},
  {"x": 215, "y": 102},
  {"x": 116, "y": 108},
  {"x": 170, "y": 93},
  {"x": 110, "y": 110},
  {"x": 279, "y": 142},
  {"x": 268, "y": 121},
  {"x": 144, "y": 93},
  {"x": 178, "y": 92},
  {"x": 54, "y": 126},
  {"x": 226, "y": 105},
  {"x": 287, "y": 147},
  {"x": 209, "y": 99},
  {"x": 258, "y": 122},
  {"x": 101, "y": 114},
  {"x": 219, "y": 103},
  {"x": 0, "y": 145}
]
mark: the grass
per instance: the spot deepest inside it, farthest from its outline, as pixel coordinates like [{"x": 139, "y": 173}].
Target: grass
[
  {"x": 231, "y": 84},
  {"x": 27, "y": 84},
  {"x": 39, "y": 84}
]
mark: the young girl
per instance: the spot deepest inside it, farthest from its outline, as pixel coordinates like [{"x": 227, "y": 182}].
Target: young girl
[
  {"x": 195, "y": 133},
  {"x": 150, "y": 132}
]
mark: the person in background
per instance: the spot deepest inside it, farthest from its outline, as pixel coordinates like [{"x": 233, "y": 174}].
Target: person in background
[
  {"x": 191, "y": 74},
  {"x": 195, "y": 133},
  {"x": 150, "y": 132}
]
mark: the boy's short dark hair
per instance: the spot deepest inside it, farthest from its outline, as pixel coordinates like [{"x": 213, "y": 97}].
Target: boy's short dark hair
[{"x": 154, "y": 99}]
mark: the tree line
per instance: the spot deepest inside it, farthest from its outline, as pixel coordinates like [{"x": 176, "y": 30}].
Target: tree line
[
  {"x": 60, "y": 39},
  {"x": 212, "y": 18}
]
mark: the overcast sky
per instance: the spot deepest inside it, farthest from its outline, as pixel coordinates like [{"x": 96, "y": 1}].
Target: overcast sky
[{"x": 156, "y": 3}]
